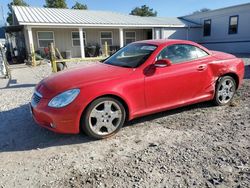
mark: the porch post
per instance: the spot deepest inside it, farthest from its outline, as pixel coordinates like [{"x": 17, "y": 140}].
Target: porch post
[
  {"x": 162, "y": 34},
  {"x": 121, "y": 37},
  {"x": 31, "y": 46},
  {"x": 153, "y": 33},
  {"x": 81, "y": 43}
]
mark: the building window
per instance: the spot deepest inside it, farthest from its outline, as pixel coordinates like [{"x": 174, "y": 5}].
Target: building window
[
  {"x": 45, "y": 38},
  {"x": 106, "y": 36},
  {"x": 76, "y": 38},
  {"x": 233, "y": 24},
  {"x": 207, "y": 28},
  {"x": 130, "y": 36}
]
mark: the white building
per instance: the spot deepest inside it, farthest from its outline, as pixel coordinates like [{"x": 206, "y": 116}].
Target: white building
[
  {"x": 226, "y": 29},
  {"x": 74, "y": 30}
]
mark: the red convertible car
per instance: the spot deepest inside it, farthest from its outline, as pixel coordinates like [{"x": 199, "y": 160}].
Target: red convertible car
[{"x": 142, "y": 78}]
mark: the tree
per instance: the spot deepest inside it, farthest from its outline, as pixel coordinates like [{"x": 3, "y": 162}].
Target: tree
[
  {"x": 143, "y": 11},
  {"x": 80, "y": 6},
  {"x": 202, "y": 10},
  {"x": 14, "y": 3},
  {"x": 55, "y": 4}
]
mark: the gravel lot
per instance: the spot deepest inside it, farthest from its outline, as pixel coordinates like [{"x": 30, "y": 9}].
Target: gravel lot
[{"x": 195, "y": 146}]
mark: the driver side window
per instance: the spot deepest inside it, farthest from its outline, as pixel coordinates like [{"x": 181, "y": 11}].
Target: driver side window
[{"x": 181, "y": 52}]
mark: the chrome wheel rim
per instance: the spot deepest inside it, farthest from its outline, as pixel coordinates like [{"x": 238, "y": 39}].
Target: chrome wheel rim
[
  {"x": 226, "y": 91},
  {"x": 105, "y": 117}
]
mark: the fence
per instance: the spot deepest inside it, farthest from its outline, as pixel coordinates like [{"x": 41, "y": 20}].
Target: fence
[{"x": 55, "y": 61}]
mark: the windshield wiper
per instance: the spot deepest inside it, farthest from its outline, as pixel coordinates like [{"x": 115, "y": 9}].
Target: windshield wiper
[
  {"x": 119, "y": 65},
  {"x": 126, "y": 66}
]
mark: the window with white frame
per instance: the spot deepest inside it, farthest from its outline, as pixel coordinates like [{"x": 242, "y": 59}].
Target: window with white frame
[
  {"x": 76, "y": 38},
  {"x": 106, "y": 36},
  {"x": 130, "y": 36},
  {"x": 45, "y": 38}
]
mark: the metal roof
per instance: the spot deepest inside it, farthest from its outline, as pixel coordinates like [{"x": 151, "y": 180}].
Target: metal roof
[
  {"x": 69, "y": 17},
  {"x": 219, "y": 9}
]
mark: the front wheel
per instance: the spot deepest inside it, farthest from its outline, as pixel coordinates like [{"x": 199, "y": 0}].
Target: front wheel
[
  {"x": 225, "y": 90},
  {"x": 103, "y": 118}
]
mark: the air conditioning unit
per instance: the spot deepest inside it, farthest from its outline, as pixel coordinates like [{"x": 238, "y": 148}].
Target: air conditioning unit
[{"x": 68, "y": 54}]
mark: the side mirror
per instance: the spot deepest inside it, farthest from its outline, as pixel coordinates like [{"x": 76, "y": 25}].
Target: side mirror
[{"x": 162, "y": 63}]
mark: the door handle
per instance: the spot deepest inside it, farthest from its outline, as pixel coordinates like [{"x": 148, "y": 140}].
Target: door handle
[{"x": 201, "y": 67}]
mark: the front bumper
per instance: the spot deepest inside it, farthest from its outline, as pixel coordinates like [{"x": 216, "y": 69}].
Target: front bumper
[{"x": 62, "y": 120}]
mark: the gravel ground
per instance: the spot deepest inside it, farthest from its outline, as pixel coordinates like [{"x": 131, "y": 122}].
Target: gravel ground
[{"x": 196, "y": 146}]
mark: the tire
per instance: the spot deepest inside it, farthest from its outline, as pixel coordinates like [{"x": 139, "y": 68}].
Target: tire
[
  {"x": 224, "y": 91},
  {"x": 60, "y": 66},
  {"x": 103, "y": 118}
]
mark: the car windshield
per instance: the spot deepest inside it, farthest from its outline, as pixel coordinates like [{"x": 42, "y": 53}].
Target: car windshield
[{"x": 132, "y": 55}]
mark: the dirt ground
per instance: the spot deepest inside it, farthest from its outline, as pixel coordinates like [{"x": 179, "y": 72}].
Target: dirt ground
[{"x": 196, "y": 146}]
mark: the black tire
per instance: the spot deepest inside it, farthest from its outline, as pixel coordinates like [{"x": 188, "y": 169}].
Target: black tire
[
  {"x": 87, "y": 121},
  {"x": 221, "y": 93},
  {"x": 60, "y": 66}
]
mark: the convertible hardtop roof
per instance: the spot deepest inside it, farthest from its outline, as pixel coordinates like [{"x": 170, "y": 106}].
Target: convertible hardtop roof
[{"x": 166, "y": 41}]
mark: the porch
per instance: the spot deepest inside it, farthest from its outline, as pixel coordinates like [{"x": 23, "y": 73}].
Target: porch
[{"x": 82, "y": 42}]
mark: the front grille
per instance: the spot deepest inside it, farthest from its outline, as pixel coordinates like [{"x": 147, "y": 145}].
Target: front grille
[{"x": 36, "y": 99}]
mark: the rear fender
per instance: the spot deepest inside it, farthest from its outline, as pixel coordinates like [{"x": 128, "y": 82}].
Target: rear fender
[{"x": 232, "y": 67}]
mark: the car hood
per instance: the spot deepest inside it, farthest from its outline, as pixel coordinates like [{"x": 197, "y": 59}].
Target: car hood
[{"x": 81, "y": 76}]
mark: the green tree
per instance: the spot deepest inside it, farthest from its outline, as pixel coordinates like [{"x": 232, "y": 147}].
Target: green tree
[
  {"x": 55, "y": 4},
  {"x": 144, "y": 10},
  {"x": 202, "y": 10},
  {"x": 80, "y": 6},
  {"x": 14, "y": 3}
]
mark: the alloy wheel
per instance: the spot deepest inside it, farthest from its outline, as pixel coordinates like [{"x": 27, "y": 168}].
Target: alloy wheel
[
  {"x": 226, "y": 91},
  {"x": 105, "y": 117}
]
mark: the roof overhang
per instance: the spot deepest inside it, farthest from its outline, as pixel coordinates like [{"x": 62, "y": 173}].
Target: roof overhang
[
  {"x": 52, "y": 17},
  {"x": 59, "y": 25}
]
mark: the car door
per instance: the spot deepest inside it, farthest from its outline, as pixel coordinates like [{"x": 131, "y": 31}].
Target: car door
[{"x": 179, "y": 83}]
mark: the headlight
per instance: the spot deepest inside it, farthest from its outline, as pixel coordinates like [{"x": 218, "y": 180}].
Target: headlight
[{"x": 63, "y": 99}]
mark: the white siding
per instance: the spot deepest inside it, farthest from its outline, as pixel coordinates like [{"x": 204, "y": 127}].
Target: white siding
[
  {"x": 240, "y": 47},
  {"x": 175, "y": 33},
  {"x": 195, "y": 34},
  {"x": 184, "y": 33}
]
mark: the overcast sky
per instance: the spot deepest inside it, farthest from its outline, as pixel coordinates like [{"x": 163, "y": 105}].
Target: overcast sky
[{"x": 165, "y": 8}]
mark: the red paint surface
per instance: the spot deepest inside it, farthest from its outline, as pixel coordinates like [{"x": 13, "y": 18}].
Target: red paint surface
[{"x": 145, "y": 89}]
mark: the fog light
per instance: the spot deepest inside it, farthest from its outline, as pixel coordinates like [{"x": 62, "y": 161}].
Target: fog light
[{"x": 52, "y": 125}]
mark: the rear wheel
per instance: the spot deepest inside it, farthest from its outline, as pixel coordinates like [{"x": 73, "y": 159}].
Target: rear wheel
[
  {"x": 225, "y": 90},
  {"x": 103, "y": 118}
]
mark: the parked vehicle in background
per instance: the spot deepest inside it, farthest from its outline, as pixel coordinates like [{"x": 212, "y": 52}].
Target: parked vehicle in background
[{"x": 142, "y": 78}]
